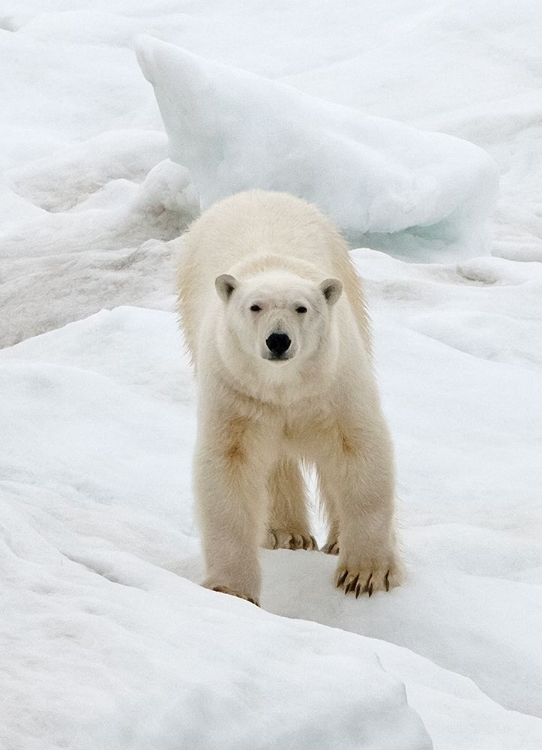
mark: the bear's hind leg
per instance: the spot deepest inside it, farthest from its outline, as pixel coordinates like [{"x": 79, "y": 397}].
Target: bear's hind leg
[
  {"x": 288, "y": 525},
  {"x": 329, "y": 503}
]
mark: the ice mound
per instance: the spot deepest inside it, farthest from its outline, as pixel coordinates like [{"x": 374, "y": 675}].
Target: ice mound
[{"x": 235, "y": 130}]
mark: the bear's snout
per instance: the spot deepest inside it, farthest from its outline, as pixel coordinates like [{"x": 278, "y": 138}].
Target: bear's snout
[{"x": 278, "y": 344}]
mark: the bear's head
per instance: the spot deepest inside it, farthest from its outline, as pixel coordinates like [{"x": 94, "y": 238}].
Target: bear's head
[{"x": 278, "y": 317}]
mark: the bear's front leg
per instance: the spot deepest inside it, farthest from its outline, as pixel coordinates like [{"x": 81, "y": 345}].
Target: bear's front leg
[
  {"x": 359, "y": 472},
  {"x": 230, "y": 471}
]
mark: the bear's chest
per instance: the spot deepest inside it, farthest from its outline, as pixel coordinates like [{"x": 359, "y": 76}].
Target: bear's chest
[{"x": 302, "y": 430}]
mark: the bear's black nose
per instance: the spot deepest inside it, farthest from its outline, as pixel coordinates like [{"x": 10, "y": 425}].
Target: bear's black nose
[{"x": 278, "y": 343}]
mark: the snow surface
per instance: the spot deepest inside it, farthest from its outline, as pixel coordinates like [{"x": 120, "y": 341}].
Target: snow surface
[{"x": 106, "y": 641}]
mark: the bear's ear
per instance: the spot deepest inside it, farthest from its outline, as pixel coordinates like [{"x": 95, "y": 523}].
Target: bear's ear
[
  {"x": 332, "y": 290},
  {"x": 225, "y": 284}
]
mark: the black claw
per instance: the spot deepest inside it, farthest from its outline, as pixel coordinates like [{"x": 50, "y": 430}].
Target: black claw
[
  {"x": 370, "y": 590},
  {"x": 387, "y": 581},
  {"x": 358, "y": 590},
  {"x": 309, "y": 542},
  {"x": 341, "y": 579},
  {"x": 351, "y": 586},
  {"x": 367, "y": 584}
]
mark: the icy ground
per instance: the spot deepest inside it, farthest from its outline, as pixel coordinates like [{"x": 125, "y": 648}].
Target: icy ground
[{"x": 106, "y": 641}]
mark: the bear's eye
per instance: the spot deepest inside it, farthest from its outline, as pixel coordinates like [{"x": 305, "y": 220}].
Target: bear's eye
[
  {"x": 255, "y": 308},
  {"x": 301, "y": 309}
]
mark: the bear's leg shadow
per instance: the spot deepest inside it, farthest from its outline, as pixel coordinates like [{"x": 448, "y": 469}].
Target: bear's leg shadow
[{"x": 288, "y": 525}]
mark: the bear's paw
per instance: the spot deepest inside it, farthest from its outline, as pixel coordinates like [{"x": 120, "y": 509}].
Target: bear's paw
[
  {"x": 238, "y": 594},
  {"x": 369, "y": 577},
  {"x": 281, "y": 539}
]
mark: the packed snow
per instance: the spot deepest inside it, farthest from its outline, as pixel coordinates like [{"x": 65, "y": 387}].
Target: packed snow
[{"x": 106, "y": 640}]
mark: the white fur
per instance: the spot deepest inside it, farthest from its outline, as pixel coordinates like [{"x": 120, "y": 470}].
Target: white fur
[{"x": 259, "y": 417}]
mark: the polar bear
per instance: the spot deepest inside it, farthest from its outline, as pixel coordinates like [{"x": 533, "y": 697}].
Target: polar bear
[{"x": 276, "y": 325}]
